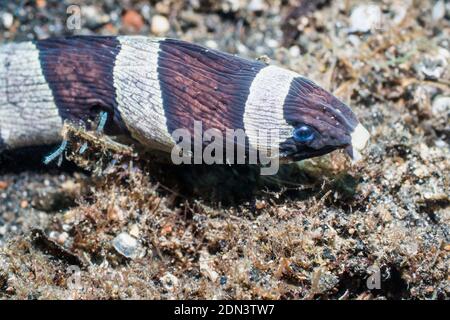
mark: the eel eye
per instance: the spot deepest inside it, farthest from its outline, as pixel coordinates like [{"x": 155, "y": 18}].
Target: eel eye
[{"x": 303, "y": 134}]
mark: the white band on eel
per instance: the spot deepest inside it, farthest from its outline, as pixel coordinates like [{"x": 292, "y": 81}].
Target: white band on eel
[{"x": 264, "y": 106}]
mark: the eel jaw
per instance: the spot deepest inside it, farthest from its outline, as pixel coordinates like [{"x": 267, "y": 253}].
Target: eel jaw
[{"x": 360, "y": 136}]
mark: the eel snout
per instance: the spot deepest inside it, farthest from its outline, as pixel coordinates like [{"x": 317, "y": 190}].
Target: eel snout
[{"x": 359, "y": 138}]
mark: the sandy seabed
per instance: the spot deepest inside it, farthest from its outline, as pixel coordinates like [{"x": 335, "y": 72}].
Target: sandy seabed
[{"x": 321, "y": 229}]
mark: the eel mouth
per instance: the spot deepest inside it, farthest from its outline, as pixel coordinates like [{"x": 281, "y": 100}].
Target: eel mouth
[{"x": 359, "y": 137}]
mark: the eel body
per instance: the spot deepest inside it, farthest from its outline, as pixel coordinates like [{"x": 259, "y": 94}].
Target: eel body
[{"x": 151, "y": 87}]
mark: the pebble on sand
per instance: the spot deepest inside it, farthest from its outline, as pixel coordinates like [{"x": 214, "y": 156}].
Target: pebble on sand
[
  {"x": 3, "y": 185},
  {"x": 160, "y": 25},
  {"x": 6, "y": 19},
  {"x": 126, "y": 245},
  {"x": 365, "y": 18},
  {"x": 438, "y": 11},
  {"x": 434, "y": 64},
  {"x": 133, "y": 20},
  {"x": 441, "y": 106}
]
